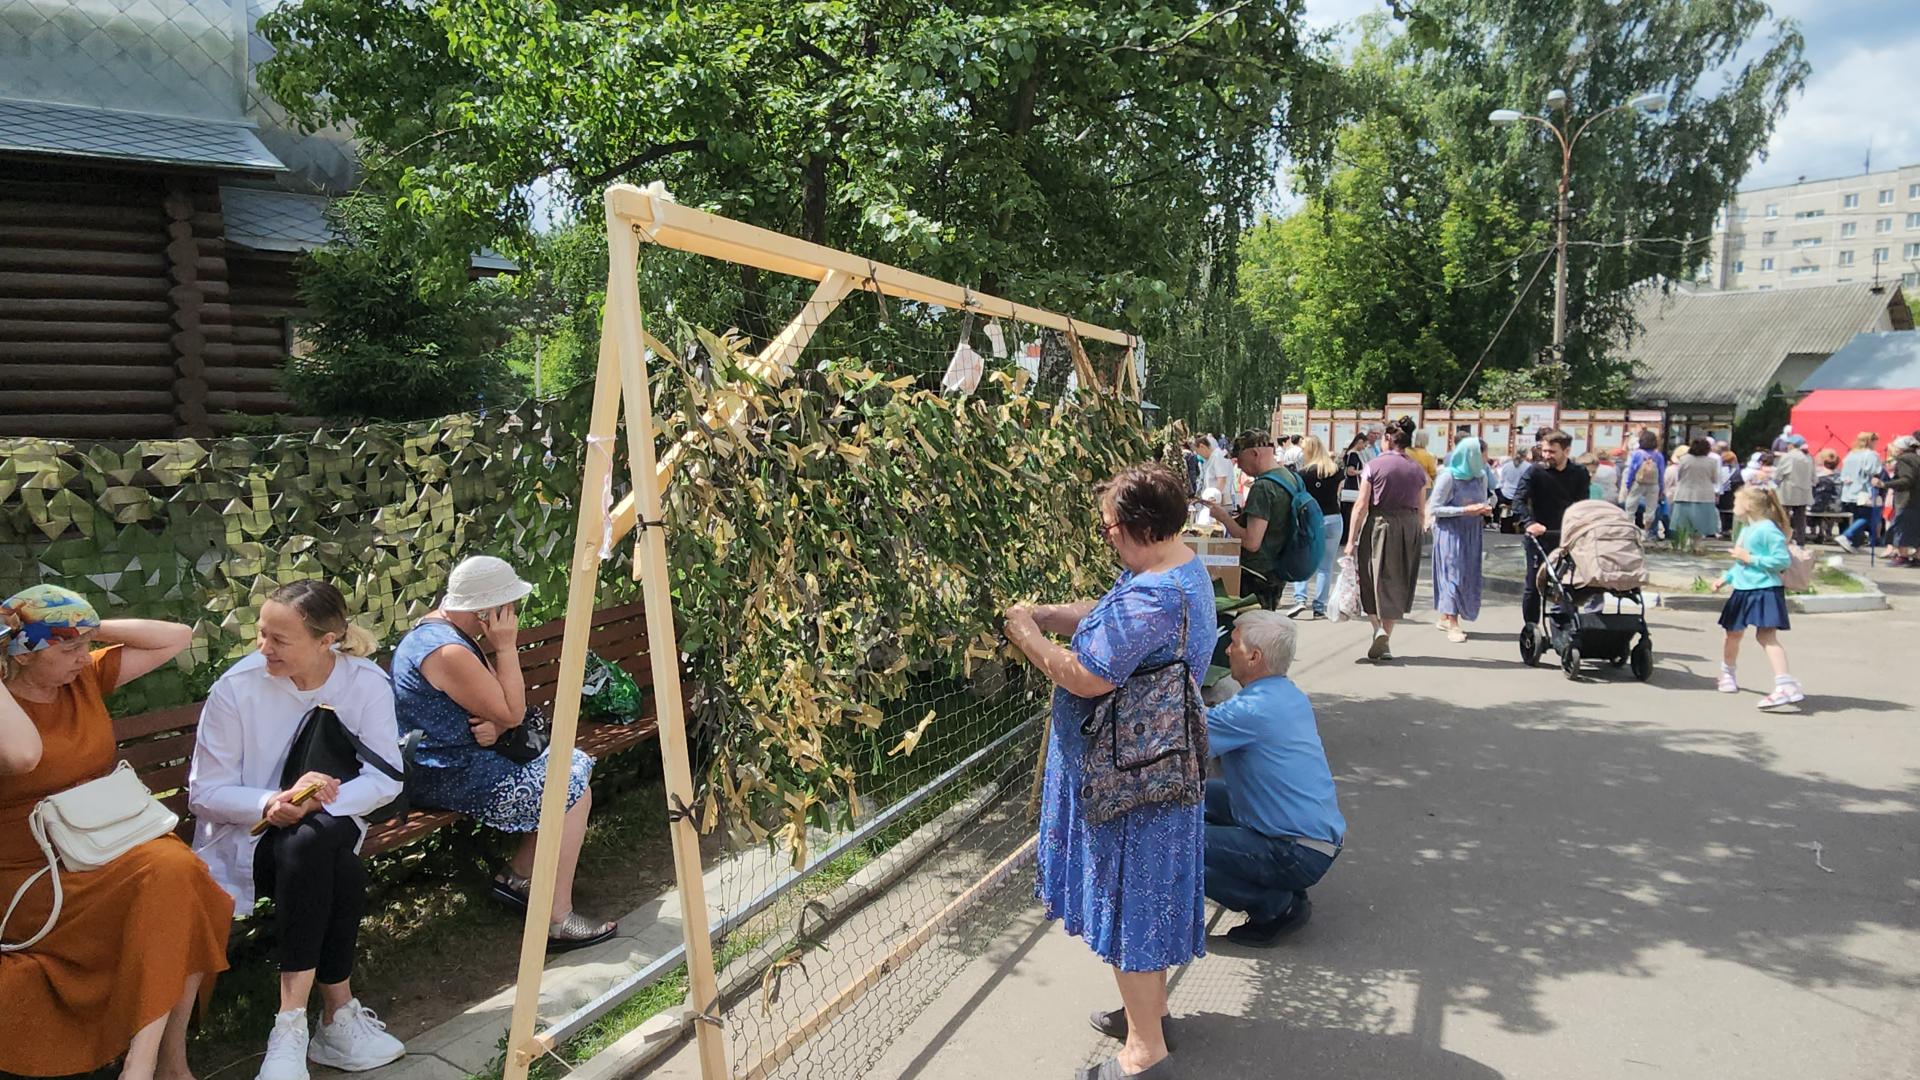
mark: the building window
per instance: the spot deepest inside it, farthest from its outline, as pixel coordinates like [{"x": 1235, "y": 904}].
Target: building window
[
  {"x": 1807, "y": 242},
  {"x": 1739, "y": 266},
  {"x": 1848, "y": 202},
  {"x": 1913, "y": 221},
  {"x": 1803, "y": 271},
  {"x": 1763, "y": 288},
  {"x": 1913, "y": 191},
  {"x": 1766, "y": 237},
  {"x": 1848, "y": 229},
  {"x": 1802, "y": 215},
  {"x": 1879, "y": 255},
  {"x": 1910, "y": 279},
  {"x": 1886, "y": 196},
  {"x": 1773, "y": 211},
  {"x": 1911, "y": 251},
  {"x": 1766, "y": 264},
  {"x": 1884, "y": 225},
  {"x": 1846, "y": 258}
]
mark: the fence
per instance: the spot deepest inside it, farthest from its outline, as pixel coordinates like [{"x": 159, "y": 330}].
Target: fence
[{"x": 198, "y": 531}]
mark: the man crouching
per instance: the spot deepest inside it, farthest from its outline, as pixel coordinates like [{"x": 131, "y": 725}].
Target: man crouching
[{"x": 1273, "y": 826}]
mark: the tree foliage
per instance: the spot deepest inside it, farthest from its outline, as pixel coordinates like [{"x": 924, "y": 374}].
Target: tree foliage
[
  {"x": 376, "y": 346},
  {"x": 1093, "y": 158},
  {"x": 1401, "y": 266}
]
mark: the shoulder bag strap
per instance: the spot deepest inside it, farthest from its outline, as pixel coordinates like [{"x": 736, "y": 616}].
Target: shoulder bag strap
[
  {"x": 464, "y": 636},
  {"x": 367, "y": 755},
  {"x": 53, "y": 867}
]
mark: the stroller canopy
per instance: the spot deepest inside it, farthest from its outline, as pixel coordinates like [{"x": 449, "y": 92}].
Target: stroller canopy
[{"x": 1602, "y": 547}]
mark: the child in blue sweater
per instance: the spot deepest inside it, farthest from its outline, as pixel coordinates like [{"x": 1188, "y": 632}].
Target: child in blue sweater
[{"x": 1759, "y": 600}]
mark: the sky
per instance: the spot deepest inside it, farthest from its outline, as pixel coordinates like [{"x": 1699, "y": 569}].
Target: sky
[{"x": 1859, "y": 90}]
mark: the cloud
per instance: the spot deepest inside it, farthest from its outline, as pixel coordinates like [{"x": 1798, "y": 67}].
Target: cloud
[{"x": 1853, "y": 96}]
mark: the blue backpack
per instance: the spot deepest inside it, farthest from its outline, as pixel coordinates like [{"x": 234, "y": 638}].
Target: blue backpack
[{"x": 1299, "y": 559}]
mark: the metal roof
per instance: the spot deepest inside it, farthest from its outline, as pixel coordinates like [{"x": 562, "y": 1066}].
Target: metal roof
[
  {"x": 1708, "y": 347},
  {"x": 1886, "y": 360},
  {"x": 79, "y": 131},
  {"x": 181, "y": 58},
  {"x": 270, "y": 219}
]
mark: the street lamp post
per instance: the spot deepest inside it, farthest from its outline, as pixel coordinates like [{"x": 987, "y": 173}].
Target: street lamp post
[{"x": 1557, "y": 99}]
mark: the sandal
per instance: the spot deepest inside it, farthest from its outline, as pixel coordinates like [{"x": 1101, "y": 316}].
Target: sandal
[
  {"x": 575, "y": 932},
  {"x": 1113, "y": 1025},
  {"x": 510, "y": 889}
]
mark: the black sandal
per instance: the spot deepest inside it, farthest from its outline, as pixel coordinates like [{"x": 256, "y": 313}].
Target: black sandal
[
  {"x": 1114, "y": 1026},
  {"x": 1110, "y": 1070}
]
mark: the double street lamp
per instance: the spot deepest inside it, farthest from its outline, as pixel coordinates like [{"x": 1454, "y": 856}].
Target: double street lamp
[{"x": 1568, "y": 136}]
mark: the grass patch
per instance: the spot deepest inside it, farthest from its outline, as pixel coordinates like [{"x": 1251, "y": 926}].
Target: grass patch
[
  {"x": 1700, "y": 586},
  {"x": 1832, "y": 579}
]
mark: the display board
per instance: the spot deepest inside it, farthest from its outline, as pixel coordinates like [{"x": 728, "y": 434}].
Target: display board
[
  {"x": 1496, "y": 432},
  {"x": 1292, "y": 415},
  {"x": 1399, "y": 405},
  {"x": 1438, "y": 424},
  {"x": 1578, "y": 424},
  {"x": 1609, "y": 429},
  {"x": 1320, "y": 426},
  {"x": 1529, "y": 417},
  {"x": 1345, "y": 423}
]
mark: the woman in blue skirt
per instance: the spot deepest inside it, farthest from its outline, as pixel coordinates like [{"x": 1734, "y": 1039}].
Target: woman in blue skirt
[
  {"x": 1759, "y": 599},
  {"x": 1131, "y": 886}
]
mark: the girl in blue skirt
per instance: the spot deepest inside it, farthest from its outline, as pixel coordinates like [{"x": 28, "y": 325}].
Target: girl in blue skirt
[{"x": 1759, "y": 600}]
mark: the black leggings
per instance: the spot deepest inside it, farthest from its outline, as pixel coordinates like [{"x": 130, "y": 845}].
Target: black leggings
[{"x": 319, "y": 890}]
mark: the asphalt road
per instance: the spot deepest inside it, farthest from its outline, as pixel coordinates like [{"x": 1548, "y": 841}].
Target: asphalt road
[{"x": 1547, "y": 878}]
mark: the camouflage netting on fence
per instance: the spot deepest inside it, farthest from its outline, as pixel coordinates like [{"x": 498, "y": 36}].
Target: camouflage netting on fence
[{"x": 199, "y": 530}]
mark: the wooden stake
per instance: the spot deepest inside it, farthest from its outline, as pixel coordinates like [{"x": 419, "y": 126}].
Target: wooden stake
[
  {"x": 582, "y": 587},
  {"x": 663, "y": 646},
  {"x": 853, "y": 991}
]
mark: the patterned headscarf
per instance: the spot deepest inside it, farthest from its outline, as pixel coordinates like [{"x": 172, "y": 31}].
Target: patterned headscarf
[
  {"x": 47, "y": 615},
  {"x": 1465, "y": 462}
]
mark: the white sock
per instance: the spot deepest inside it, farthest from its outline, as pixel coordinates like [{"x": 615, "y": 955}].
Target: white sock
[{"x": 1727, "y": 670}]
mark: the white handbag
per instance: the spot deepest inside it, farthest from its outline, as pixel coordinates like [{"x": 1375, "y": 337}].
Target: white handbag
[{"x": 87, "y": 827}]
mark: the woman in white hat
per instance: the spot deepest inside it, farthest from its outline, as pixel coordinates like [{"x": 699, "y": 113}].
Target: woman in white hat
[{"x": 456, "y": 677}]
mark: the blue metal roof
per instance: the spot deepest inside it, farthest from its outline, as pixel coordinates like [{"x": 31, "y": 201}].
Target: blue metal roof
[
  {"x": 1881, "y": 360},
  {"x": 78, "y": 131}
]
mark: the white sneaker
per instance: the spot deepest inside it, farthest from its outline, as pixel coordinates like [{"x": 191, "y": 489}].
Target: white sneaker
[
  {"x": 1845, "y": 543},
  {"x": 356, "y": 1041},
  {"x": 286, "y": 1047}
]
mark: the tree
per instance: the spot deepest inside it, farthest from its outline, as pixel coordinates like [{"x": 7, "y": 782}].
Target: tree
[
  {"x": 380, "y": 348},
  {"x": 1098, "y": 159},
  {"x": 1404, "y": 262}
]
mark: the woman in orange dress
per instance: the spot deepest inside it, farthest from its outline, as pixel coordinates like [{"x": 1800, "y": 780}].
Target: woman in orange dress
[{"x": 118, "y": 972}]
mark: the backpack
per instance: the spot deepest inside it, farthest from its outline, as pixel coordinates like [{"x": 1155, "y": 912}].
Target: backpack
[
  {"x": 1648, "y": 474},
  {"x": 1306, "y": 543},
  {"x": 1798, "y": 574}
]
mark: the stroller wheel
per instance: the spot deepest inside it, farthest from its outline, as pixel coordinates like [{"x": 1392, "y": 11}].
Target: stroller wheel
[
  {"x": 1570, "y": 661},
  {"x": 1642, "y": 658},
  {"x": 1529, "y": 645}
]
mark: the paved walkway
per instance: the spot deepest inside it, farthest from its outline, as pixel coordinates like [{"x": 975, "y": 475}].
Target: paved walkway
[{"x": 1547, "y": 878}]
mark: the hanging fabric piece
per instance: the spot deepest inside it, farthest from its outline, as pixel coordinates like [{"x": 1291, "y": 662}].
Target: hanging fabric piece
[
  {"x": 996, "y": 339},
  {"x": 602, "y": 446},
  {"x": 966, "y": 367}
]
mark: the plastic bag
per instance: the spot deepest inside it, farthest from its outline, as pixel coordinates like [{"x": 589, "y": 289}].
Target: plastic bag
[
  {"x": 1345, "y": 603},
  {"x": 608, "y": 694}
]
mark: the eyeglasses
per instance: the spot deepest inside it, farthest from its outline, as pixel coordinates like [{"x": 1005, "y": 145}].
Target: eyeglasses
[{"x": 1106, "y": 529}]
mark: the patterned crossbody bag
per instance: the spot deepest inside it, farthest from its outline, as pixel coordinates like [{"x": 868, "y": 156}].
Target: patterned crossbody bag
[{"x": 1147, "y": 740}]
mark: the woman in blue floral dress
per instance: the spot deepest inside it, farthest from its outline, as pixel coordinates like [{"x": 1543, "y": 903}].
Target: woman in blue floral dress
[{"x": 1131, "y": 887}]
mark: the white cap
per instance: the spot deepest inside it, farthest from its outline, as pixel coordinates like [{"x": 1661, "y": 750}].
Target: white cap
[{"x": 482, "y": 583}]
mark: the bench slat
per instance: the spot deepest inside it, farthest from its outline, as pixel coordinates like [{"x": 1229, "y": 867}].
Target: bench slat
[
  {"x": 144, "y": 756},
  {"x": 392, "y": 834},
  {"x": 602, "y": 740},
  {"x": 176, "y": 718},
  {"x": 600, "y": 640}
]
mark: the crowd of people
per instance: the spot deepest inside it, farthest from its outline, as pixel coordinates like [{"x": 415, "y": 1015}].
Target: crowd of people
[{"x": 124, "y": 951}]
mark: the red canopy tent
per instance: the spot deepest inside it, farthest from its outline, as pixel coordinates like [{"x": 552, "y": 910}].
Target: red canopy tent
[{"x": 1831, "y": 418}]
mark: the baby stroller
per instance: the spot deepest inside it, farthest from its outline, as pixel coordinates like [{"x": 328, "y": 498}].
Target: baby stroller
[{"x": 1599, "y": 556}]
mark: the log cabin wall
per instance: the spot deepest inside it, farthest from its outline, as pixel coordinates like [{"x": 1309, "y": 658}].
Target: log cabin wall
[{"x": 117, "y": 314}]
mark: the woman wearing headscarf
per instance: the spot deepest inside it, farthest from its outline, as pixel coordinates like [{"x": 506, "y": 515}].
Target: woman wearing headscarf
[
  {"x": 1457, "y": 508},
  {"x": 116, "y": 975}
]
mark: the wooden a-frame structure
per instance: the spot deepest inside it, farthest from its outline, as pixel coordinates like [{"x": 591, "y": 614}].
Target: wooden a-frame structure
[{"x": 633, "y": 217}]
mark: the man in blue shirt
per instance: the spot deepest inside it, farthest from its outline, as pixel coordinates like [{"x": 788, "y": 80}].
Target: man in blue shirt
[{"x": 1273, "y": 825}]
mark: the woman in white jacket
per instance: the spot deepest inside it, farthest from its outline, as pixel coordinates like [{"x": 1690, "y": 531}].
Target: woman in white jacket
[{"x": 308, "y": 859}]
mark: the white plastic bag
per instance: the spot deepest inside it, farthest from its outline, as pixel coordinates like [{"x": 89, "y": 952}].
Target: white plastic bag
[{"x": 1345, "y": 603}]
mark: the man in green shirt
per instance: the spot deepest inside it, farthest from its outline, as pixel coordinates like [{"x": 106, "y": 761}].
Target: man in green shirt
[{"x": 1267, "y": 502}]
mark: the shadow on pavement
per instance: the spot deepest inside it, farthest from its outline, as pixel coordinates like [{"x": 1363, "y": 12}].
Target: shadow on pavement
[
  {"x": 1222, "y": 1045},
  {"x": 1494, "y": 850}
]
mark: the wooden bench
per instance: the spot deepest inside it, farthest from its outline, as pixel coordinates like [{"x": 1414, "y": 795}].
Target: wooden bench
[{"x": 159, "y": 744}]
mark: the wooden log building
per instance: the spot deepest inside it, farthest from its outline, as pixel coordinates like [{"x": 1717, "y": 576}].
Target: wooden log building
[{"x": 152, "y": 207}]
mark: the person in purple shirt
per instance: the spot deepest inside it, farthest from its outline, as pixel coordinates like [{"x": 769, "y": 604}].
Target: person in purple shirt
[{"x": 1273, "y": 823}]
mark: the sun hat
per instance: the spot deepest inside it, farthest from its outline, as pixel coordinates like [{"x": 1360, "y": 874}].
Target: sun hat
[{"x": 482, "y": 583}]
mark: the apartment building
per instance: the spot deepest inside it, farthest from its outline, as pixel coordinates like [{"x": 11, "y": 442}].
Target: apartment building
[{"x": 1845, "y": 230}]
